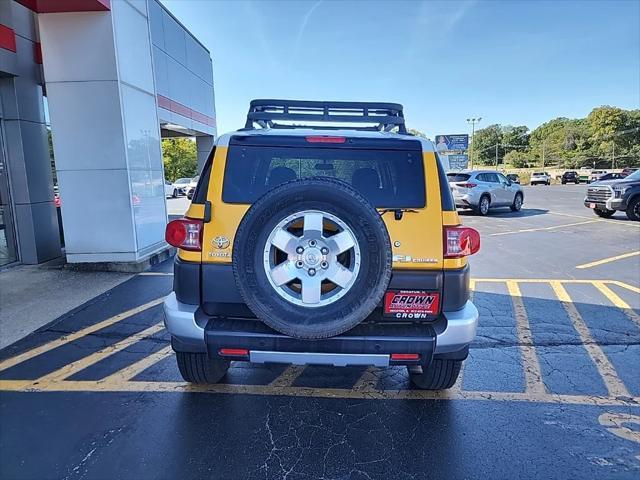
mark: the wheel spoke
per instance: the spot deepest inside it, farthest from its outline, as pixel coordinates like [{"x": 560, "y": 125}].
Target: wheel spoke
[
  {"x": 284, "y": 273},
  {"x": 341, "y": 242},
  {"x": 311, "y": 289},
  {"x": 285, "y": 241},
  {"x": 340, "y": 275},
  {"x": 313, "y": 225}
]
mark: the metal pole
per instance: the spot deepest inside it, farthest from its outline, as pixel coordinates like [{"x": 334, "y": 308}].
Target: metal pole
[
  {"x": 472, "y": 150},
  {"x": 473, "y": 138},
  {"x": 543, "y": 144},
  {"x": 496, "y": 157}
]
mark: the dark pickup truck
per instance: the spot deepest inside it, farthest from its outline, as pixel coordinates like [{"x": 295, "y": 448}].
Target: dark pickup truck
[{"x": 608, "y": 196}]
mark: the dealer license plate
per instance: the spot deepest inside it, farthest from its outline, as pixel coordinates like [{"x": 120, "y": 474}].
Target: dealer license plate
[{"x": 411, "y": 303}]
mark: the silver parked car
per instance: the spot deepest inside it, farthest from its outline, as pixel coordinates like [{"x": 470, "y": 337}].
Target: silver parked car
[{"x": 484, "y": 189}]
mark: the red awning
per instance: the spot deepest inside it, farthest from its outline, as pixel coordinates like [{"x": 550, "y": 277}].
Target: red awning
[{"x": 60, "y": 6}]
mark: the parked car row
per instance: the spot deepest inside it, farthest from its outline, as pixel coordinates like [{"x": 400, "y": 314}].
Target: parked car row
[{"x": 585, "y": 175}]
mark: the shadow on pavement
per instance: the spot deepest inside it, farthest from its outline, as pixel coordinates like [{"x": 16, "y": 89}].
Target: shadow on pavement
[{"x": 505, "y": 212}]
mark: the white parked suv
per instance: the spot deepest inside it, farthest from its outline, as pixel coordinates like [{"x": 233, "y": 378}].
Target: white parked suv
[
  {"x": 540, "y": 178},
  {"x": 481, "y": 190}
]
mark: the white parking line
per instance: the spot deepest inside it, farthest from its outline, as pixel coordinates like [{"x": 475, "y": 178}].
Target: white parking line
[
  {"x": 609, "y": 259},
  {"x": 540, "y": 229}
]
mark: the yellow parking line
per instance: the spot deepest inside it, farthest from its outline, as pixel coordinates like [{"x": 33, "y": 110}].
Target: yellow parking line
[
  {"x": 183, "y": 387},
  {"x": 10, "y": 362},
  {"x": 540, "y": 229},
  {"x": 561, "y": 280},
  {"x": 618, "y": 302},
  {"x": 609, "y": 259},
  {"x": 286, "y": 378},
  {"x": 530, "y": 280},
  {"x": 605, "y": 368},
  {"x": 625, "y": 285},
  {"x": 530, "y": 364},
  {"x": 74, "y": 367},
  {"x": 138, "y": 367}
]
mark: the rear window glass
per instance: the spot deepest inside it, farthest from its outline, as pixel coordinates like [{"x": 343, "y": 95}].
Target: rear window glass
[
  {"x": 387, "y": 178},
  {"x": 458, "y": 177}
]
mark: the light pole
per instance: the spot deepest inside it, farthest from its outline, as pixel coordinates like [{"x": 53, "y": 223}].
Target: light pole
[{"x": 473, "y": 122}]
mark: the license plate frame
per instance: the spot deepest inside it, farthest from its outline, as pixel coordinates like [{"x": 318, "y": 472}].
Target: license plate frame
[{"x": 411, "y": 304}]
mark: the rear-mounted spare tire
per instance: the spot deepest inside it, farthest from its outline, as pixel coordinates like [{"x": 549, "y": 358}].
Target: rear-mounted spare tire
[{"x": 312, "y": 258}]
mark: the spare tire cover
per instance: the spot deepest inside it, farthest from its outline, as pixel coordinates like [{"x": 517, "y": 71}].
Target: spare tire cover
[{"x": 312, "y": 258}]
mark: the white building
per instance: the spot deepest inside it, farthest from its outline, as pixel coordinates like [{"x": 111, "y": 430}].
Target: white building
[{"x": 118, "y": 76}]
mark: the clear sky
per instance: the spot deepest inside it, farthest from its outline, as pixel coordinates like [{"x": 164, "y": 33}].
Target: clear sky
[{"x": 510, "y": 62}]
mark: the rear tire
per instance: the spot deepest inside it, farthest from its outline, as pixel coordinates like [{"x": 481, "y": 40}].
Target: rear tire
[
  {"x": 175, "y": 193},
  {"x": 199, "y": 368},
  {"x": 439, "y": 375},
  {"x": 633, "y": 209},
  {"x": 603, "y": 213}
]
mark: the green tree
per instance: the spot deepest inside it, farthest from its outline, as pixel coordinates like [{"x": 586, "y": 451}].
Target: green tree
[
  {"x": 484, "y": 143},
  {"x": 613, "y": 131},
  {"x": 518, "y": 159},
  {"x": 180, "y": 158},
  {"x": 515, "y": 137}
]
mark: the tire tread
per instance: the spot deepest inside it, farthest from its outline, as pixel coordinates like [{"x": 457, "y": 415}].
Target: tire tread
[
  {"x": 199, "y": 368},
  {"x": 440, "y": 375}
]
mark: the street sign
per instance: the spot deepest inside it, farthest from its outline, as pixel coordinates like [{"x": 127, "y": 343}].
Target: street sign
[
  {"x": 458, "y": 162},
  {"x": 452, "y": 142}
]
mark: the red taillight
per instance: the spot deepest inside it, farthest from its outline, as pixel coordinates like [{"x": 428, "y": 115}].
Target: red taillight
[
  {"x": 234, "y": 352},
  {"x": 184, "y": 233},
  {"x": 467, "y": 185},
  {"x": 460, "y": 242},
  {"x": 324, "y": 139},
  {"x": 405, "y": 356}
]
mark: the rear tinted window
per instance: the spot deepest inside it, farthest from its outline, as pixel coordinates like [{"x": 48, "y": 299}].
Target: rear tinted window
[
  {"x": 458, "y": 177},
  {"x": 387, "y": 178}
]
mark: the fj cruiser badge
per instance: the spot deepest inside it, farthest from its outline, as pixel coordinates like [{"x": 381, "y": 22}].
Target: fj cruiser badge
[{"x": 221, "y": 242}]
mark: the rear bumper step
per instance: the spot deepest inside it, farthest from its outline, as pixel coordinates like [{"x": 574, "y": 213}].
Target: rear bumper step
[
  {"x": 366, "y": 344},
  {"x": 334, "y": 359}
]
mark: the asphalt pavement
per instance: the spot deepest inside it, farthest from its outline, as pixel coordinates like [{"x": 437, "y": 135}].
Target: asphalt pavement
[{"x": 551, "y": 388}]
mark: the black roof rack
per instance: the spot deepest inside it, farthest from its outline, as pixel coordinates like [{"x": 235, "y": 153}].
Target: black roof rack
[{"x": 385, "y": 116}]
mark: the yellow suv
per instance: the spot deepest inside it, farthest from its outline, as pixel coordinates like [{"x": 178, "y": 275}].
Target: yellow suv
[{"x": 322, "y": 244}]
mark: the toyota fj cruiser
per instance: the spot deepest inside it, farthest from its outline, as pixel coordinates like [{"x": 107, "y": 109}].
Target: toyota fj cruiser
[{"x": 326, "y": 245}]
